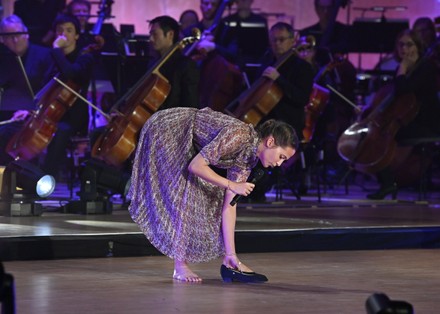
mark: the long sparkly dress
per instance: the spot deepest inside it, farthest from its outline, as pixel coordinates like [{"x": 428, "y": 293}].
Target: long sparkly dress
[{"x": 178, "y": 212}]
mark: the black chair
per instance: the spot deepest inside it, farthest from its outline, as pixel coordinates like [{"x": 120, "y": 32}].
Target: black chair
[{"x": 429, "y": 147}]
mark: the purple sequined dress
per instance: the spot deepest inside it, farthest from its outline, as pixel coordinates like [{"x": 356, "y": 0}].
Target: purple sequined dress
[{"x": 178, "y": 212}]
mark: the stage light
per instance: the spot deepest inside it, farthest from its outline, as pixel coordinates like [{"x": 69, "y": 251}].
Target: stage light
[
  {"x": 22, "y": 184},
  {"x": 98, "y": 182},
  {"x": 379, "y": 303}
]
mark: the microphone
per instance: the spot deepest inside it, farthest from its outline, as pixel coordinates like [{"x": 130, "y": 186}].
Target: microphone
[{"x": 257, "y": 175}]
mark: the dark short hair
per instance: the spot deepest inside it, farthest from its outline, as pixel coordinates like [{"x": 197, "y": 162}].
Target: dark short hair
[
  {"x": 283, "y": 133},
  {"x": 317, "y": 2},
  {"x": 69, "y": 7},
  {"x": 283, "y": 26},
  {"x": 67, "y": 18},
  {"x": 190, "y": 11},
  {"x": 167, "y": 23}
]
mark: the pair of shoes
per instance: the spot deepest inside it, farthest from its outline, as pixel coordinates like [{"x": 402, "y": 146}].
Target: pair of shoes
[
  {"x": 230, "y": 274},
  {"x": 383, "y": 192}
]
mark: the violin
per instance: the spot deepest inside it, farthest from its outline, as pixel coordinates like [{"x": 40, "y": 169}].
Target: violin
[{"x": 120, "y": 137}]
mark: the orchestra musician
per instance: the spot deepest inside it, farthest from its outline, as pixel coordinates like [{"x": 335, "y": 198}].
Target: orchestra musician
[
  {"x": 81, "y": 10},
  {"x": 36, "y": 61},
  {"x": 331, "y": 36},
  {"x": 295, "y": 79},
  {"x": 241, "y": 26},
  {"x": 416, "y": 74},
  {"x": 333, "y": 68},
  {"x": 73, "y": 63},
  {"x": 188, "y": 18},
  {"x": 181, "y": 71},
  {"x": 69, "y": 63},
  {"x": 213, "y": 42}
]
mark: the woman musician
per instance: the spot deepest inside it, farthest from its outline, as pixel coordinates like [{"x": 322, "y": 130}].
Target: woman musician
[{"x": 416, "y": 75}]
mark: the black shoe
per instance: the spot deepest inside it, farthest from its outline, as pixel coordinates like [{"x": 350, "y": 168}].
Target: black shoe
[
  {"x": 229, "y": 275},
  {"x": 383, "y": 192}
]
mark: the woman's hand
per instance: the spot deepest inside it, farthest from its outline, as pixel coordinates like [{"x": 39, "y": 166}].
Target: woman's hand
[
  {"x": 241, "y": 188},
  {"x": 232, "y": 261}
]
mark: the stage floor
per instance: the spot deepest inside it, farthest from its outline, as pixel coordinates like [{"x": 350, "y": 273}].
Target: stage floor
[
  {"x": 336, "y": 282},
  {"x": 321, "y": 256},
  {"x": 339, "y": 221}
]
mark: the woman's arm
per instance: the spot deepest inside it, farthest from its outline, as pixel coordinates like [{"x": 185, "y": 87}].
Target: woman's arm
[{"x": 200, "y": 167}]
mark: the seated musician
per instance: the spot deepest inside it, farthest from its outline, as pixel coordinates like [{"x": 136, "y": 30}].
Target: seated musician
[
  {"x": 251, "y": 32},
  {"x": 415, "y": 75},
  {"x": 71, "y": 63},
  {"x": 334, "y": 33},
  {"x": 181, "y": 72},
  {"x": 295, "y": 79},
  {"x": 216, "y": 41},
  {"x": 17, "y": 97},
  {"x": 81, "y": 10},
  {"x": 74, "y": 64}
]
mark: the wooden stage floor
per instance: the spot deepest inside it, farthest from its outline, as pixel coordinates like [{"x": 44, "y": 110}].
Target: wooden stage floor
[
  {"x": 316, "y": 282},
  {"x": 320, "y": 257}
]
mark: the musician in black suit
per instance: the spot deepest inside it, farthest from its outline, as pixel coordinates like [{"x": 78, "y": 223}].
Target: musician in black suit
[
  {"x": 294, "y": 77},
  {"x": 16, "y": 96},
  {"x": 334, "y": 33},
  {"x": 181, "y": 72},
  {"x": 218, "y": 39},
  {"x": 73, "y": 64}
]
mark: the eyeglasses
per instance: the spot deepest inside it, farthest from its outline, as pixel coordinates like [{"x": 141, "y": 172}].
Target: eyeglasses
[
  {"x": 280, "y": 39},
  {"x": 402, "y": 44},
  {"x": 14, "y": 36}
]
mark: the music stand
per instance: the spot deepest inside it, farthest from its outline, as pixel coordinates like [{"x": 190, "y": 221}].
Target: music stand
[
  {"x": 375, "y": 35},
  {"x": 252, "y": 38}
]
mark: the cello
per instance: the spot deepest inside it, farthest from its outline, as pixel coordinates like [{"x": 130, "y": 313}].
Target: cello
[
  {"x": 263, "y": 95},
  {"x": 120, "y": 137},
  {"x": 53, "y": 101},
  {"x": 379, "y": 128}
]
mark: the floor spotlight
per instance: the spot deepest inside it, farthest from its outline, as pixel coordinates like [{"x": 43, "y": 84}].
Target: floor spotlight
[
  {"x": 22, "y": 184},
  {"x": 379, "y": 303},
  {"x": 98, "y": 182}
]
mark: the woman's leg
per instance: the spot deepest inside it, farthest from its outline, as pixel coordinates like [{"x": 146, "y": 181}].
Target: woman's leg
[
  {"x": 229, "y": 216},
  {"x": 182, "y": 272}
]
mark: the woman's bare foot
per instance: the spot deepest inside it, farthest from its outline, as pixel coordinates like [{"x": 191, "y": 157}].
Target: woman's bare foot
[
  {"x": 183, "y": 273},
  {"x": 232, "y": 261}
]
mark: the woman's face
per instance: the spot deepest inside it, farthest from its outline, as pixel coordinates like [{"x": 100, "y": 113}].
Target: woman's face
[
  {"x": 272, "y": 155},
  {"x": 407, "y": 48}
]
